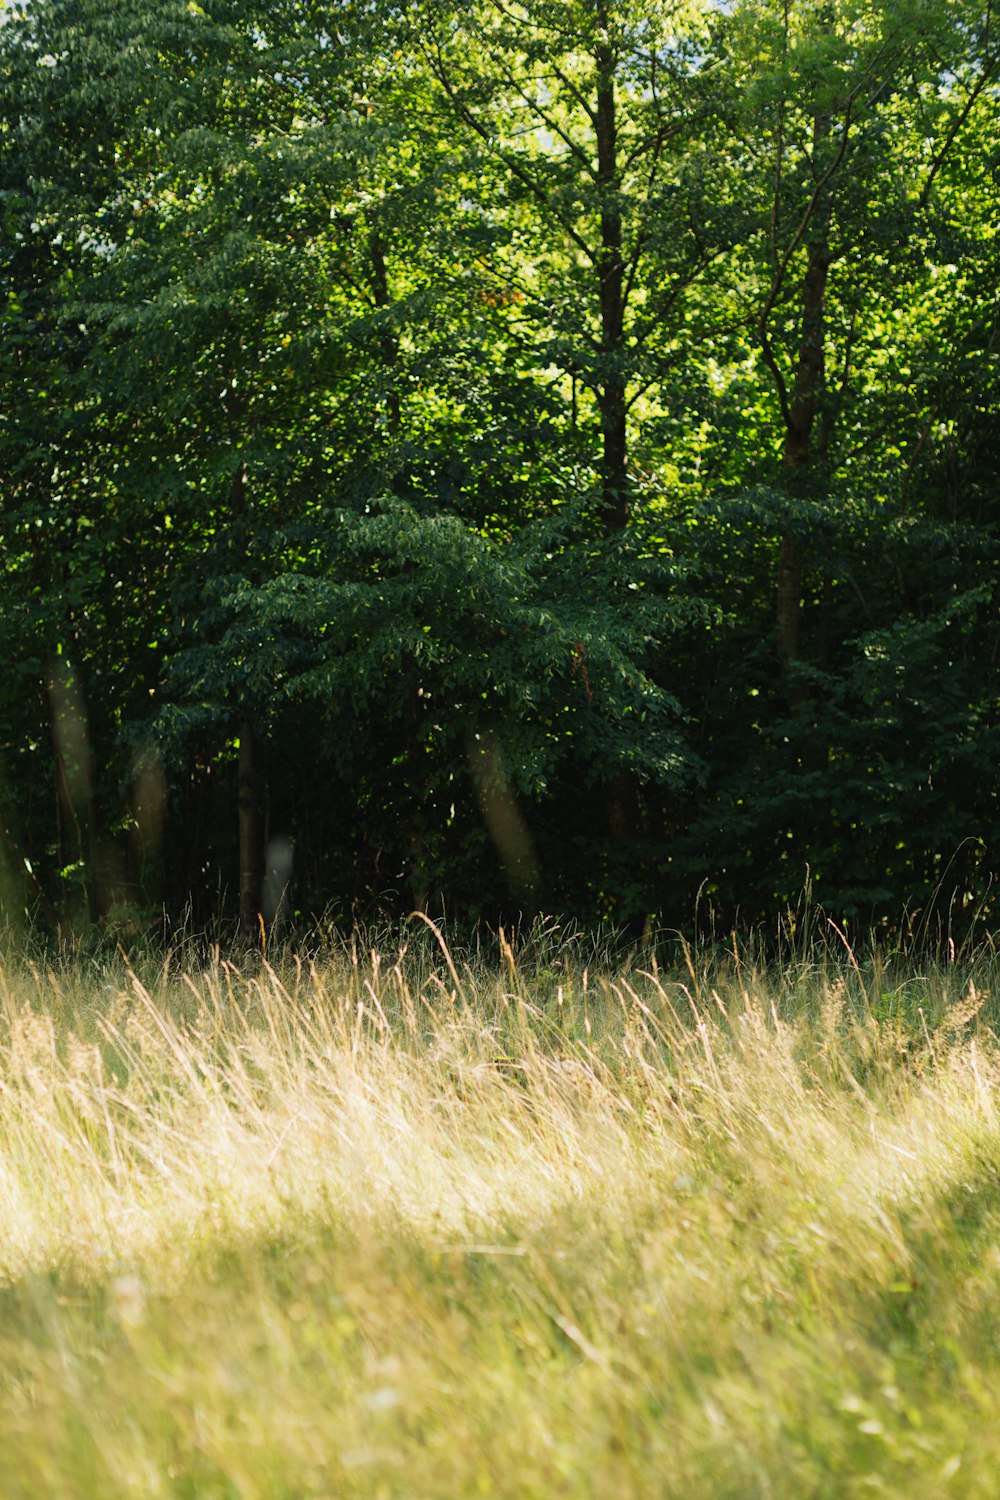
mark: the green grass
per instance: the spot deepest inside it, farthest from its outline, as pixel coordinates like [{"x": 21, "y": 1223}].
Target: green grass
[{"x": 414, "y": 1228}]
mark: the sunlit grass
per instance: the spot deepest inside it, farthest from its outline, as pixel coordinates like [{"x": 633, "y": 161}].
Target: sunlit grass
[{"x": 386, "y": 1225}]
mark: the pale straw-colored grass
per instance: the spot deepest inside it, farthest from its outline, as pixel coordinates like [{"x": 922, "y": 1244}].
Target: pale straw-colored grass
[{"x": 395, "y": 1228}]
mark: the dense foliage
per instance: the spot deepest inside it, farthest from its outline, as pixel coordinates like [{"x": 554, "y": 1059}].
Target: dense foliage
[{"x": 498, "y": 457}]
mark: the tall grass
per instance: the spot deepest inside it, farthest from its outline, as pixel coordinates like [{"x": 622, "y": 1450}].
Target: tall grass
[{"x": 397, "y": 1224}]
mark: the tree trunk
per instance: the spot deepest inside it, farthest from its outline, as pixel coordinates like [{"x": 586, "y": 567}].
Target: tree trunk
[
  {"x": 611, "y": 269},
  {"x": 74, "y": 775},
  {"x": 788, "y": 597},
  {"x": 251, "y": 852},
  {"x": 805, "y": 396},
  {"x": 810, "y": 371},
  {"x": 388, "y": 342},
  {"x": 250, "y": 833}
]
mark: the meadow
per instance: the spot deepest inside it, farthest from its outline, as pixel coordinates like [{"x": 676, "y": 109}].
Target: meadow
[{"x": 391, "y": 1221}]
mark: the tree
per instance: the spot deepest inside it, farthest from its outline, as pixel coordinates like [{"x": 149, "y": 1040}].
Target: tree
[
  {"x": 580, "y": 119},
  {"x": 412, "y": 415},
  {"x": 846, "y": 116}
]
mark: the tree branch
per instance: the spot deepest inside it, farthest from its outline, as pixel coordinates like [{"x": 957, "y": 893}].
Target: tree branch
[
  {"x": 953, "y": 133},
  {"x": 440, "y": 71}
]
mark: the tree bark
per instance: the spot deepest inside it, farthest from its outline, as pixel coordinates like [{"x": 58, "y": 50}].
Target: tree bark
[
  {"x": 250, "y": 832},
  {"x": 388, "y": 342},
  {"x": 804, "y": 398},
  {"x": 251, "y": 852},
  {"x": 810, "y": 371},
  {"x": 788, "y": 597},
  {"x": 74, "y": 774}
]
